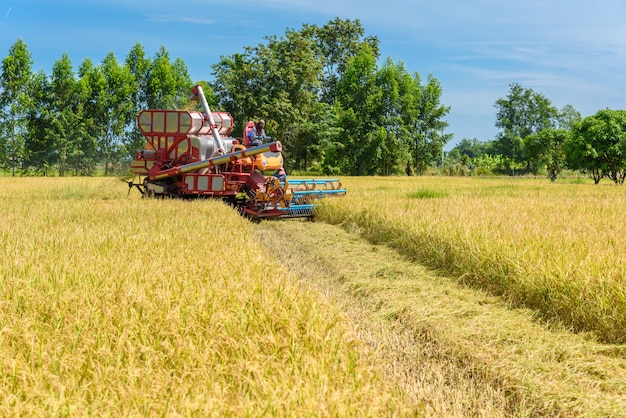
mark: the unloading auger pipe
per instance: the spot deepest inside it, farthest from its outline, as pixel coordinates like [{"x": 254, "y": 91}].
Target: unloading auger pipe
[
  {"x": 207, "y": 115},
  {"x": 217, "y": 160}
]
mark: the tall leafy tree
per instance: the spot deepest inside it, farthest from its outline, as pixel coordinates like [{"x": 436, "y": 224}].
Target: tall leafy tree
[
  {"x": 237, "y": 82},
  {"x": 138, "y": 65},
  {"x": 283, "y": 80},
  {"x": 390, "y": 133},
  {"x": 385, "y": 114},
  {"x": 598, "y": 145},
  {"x": 40, "y": 152},
  {"x": 93, "y": 86},
  {"x": 116, "y": 111},
  {"x": 289, "y": 82},
  {"x": 430, "y": 138},
  {"x": 522, "y": 113},
  {"x": 334, "y": 44},
  {"x": 276, "y": 81},
  {"x": 65, "y": 113},
  {"x": 547, "y": 148},
  {"x": 397, "y": 115},
  {"x": 168, "y": 83},
  {"x": 15, "y": 103},
  {"x": 357, "y": 151}
]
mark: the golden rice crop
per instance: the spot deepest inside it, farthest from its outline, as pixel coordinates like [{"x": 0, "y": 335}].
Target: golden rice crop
[
  {"x": 121, "y": 306},
  {"x": 457, "y": 351},
  {"x": 555, "y": 248}
]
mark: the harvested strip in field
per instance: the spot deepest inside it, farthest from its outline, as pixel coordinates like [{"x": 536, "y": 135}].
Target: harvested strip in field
[{"x": 455, "y": 350}]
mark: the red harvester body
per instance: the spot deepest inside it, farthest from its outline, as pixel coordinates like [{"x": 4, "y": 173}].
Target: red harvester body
[{"x": 190, "y": 154}]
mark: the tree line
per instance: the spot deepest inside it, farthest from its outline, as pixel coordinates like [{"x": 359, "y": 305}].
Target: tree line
[
  {"x": 320, "y": 90},
  {"x": 535, "y": 136}
]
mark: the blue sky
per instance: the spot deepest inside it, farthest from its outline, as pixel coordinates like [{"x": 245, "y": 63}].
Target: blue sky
[{"x": 573, "y": 52}]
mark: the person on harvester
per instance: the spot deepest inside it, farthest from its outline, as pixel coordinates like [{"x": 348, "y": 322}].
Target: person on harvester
[
  {"x": 257, "y": 136},
  {"x": 280, "y": 174},
  {"x": 247, "y": 133}
]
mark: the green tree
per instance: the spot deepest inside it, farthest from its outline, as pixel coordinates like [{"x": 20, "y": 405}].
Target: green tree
[
  {"x": 40, "y": 152},
  {"x": 568, "y": 117},
  {"x": 117, "y": 110},
  {"x": 288, "y": 84},
  {"x": 335, "y": 43},
  {"x": 64, "y": 116},
  {"x": 429, "y": 138},
  {"x": 237, "y": 83},
  {"x": 598, "y": 145},
  {"x": 357, "y": 151},
  {"x": 168, "y": 84},
  {"x": 276, "y": 81},
  {"x": 391, "y": 134},
  {"x": 138, "y": 65},
  {"x": 400, "y": 114},
  {"x": 15, "y": 104},
  {"x": 522, "y": 113},
  {"x": 385, "y": 115},
  {"x": 547, "y": 148},
  {"x": 93, "y": 87}
]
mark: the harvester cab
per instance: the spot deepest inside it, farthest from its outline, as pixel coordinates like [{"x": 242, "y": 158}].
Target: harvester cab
[{"x": 190, "y": 154}]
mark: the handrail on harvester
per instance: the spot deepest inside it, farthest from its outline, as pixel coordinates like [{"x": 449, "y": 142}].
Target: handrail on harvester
[
  {"x": 217, "y": 160},
  {"x": 298, "y": 193},
  {"x": 312, "y": 181}
]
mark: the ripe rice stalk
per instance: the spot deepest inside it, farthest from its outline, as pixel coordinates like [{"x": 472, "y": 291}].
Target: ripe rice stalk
[
  {"x": 120, "y": 306},
  {"x": 555, "y": 248},
  {"x": 455, "y": 350}
]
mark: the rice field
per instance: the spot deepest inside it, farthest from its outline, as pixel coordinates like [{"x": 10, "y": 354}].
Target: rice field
[
  {"x": 557, "y": 249},
  {"x": 117, "y": 306},
  {"x": 454, "y": 350}
]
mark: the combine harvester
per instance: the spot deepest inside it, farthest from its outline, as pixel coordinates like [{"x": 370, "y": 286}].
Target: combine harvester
[{"x": 189, "y": 154}]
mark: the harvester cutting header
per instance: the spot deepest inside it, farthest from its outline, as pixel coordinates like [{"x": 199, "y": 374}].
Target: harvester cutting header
[{"x": 191, "y": 154}]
